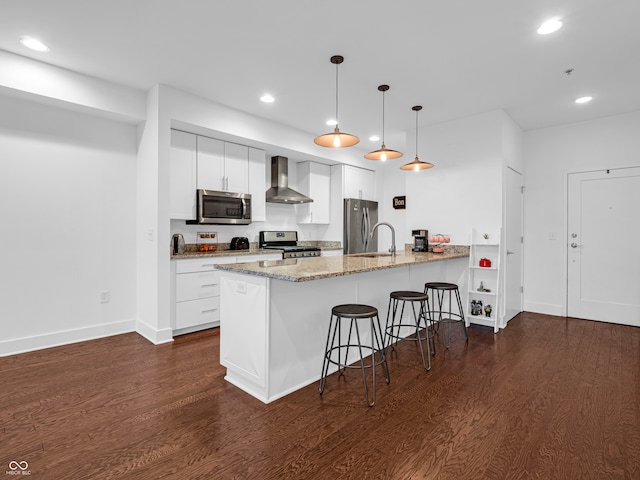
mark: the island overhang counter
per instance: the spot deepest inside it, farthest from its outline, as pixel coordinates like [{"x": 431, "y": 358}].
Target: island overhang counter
[{"x": 274, "y": 315}]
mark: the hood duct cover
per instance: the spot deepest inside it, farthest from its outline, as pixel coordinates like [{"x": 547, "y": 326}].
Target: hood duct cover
[{"x": 280, "y": 191}]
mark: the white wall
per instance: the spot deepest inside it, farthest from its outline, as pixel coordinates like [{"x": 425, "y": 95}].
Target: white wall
[
  {"x": 550, "y": 154},
  {"x": 462, "y": 191},
  {"x": 67, "y": 186}
]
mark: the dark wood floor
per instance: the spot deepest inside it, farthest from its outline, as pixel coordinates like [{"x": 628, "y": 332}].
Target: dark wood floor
[{"x": 546, "y": 398}]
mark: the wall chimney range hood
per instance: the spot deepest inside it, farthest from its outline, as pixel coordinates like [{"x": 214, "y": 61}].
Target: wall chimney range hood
[{"x": 280, "y": 191}]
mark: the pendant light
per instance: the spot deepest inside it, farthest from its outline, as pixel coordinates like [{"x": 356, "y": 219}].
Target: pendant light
[
  {"x": 417, "y": 164},
  {"x": 336, "y": 139},
  {"x": 383, "y": 153}
]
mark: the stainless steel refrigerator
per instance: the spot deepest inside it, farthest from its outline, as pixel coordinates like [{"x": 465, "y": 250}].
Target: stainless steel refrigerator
[{"x": 359, "y": 218}]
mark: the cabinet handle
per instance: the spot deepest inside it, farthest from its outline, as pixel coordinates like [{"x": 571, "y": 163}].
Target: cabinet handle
[
  {"x": 210, "y": 310},
  {"x": 208, "y": 265},
  {"x": 208, "y": 285}
]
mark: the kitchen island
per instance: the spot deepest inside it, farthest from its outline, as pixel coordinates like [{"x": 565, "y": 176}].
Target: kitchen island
[{"x": 274, "y": 315}]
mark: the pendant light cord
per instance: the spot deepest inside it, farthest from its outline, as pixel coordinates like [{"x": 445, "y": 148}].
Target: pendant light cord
[
  {"x": 337, "y": 94},
  {"x": 417, "y": 132},
  {"x": 383, "y": 117}
]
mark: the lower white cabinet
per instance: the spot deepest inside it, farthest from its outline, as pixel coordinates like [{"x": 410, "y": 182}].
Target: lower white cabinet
[{"x": 195, "y": 290}]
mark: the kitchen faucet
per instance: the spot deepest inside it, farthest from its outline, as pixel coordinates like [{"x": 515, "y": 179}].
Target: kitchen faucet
[{"x": 393, "y": 236}]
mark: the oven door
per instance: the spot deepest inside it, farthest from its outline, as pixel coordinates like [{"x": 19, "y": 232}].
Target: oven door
[{"x": 223, "y": 208}]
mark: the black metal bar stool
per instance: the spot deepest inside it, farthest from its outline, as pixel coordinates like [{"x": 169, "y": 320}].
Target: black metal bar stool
[
  {"x": 394, "y": 322},
  {"x": 437, "y": 291},
  {"x": 355, "y": 312}
]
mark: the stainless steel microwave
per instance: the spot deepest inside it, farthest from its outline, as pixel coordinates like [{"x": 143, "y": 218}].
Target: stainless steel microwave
[{"x": 223, "y": 208}]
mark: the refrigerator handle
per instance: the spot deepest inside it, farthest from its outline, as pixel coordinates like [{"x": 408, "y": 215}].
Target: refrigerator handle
[
  {"x": 366, "y": 228},
  {"x": 363, "y": 225}
]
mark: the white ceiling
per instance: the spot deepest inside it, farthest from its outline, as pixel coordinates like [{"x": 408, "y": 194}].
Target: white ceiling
[{"x": 455, "y": 57}]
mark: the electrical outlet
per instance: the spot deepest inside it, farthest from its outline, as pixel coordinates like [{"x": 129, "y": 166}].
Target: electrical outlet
[
  {"x": 150, "y": 235},
  {"x": 105, "y": 296},
  {"x": 241, "y": 287}
]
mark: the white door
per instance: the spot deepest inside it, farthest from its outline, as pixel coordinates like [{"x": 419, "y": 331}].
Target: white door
[
  {"x": 603, "y": 271},
  {"x": 513, "y": 243}
]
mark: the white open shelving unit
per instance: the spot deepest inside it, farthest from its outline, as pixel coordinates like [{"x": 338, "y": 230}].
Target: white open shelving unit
[{"x": 488, "y": 277}]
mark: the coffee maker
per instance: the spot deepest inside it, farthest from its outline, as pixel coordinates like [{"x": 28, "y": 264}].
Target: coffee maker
[{"x": 420, "y": 240}]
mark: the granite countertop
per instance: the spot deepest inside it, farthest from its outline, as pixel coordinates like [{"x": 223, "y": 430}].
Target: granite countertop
[
  {"x": 306, "y": 269},
  {"x": 223, "y": 250},
  {"x": 223, "y": 253}
]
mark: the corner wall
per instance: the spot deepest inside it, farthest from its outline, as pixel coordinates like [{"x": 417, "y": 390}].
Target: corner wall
[{"x": 67, "y": 183}]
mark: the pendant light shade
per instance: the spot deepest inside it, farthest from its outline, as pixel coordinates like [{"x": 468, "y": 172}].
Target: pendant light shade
[
  {"x": 417, "y": 164},
  {"x": 336, "y": 139},
  {"x": 383, "y": 153}
]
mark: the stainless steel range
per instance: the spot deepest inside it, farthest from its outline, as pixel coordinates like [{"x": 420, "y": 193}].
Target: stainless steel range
[{"x": 287, "y": 241}]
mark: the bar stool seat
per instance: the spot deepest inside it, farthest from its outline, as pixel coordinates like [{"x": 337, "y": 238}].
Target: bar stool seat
[
  {"x": 394, "y": 322},
  {"x": 437, "y": 292},
  {"x": 355, "y": 312}
]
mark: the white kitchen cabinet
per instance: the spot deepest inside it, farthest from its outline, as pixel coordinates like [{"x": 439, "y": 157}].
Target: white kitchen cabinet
[
  {"x": 484, "y": 282},
  {"x": 196, "y": 293},
  {"x": 257, "y": 184},
  {"x": 182, "y": 180},
  {"x": 314, "y": 181},
  {"x": 211, "y": 164},
  {"x": 195, "y": 290},
  {"x": 222, "y": 166},
  {"x": 358, "y": 183},
  {"x": 236, "y": 168}
]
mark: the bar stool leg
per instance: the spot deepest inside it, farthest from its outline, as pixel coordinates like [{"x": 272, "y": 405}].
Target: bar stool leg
[
  {"x": 464, "y": 324},
  {"x": 327, "y": 354}
]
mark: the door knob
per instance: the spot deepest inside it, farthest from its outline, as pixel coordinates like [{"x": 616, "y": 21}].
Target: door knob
[
  {"x": 509, "y": 252},
  {"x": 574, "y": 245}
]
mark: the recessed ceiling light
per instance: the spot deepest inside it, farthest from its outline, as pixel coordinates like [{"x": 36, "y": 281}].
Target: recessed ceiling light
[
  {"x": 550, "y": 26},
  {"x": 331, "y": 123},
  {"x": 266, "y": 98},
  {"x": 583, "y": 99},
  {"x": 374, "y": 138},
  {"x": 34, "y": 44}
]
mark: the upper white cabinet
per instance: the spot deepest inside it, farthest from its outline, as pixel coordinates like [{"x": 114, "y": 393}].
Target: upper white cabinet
[
  {"x": 182, "y": 182},
  {"x": 257, "y": 184},
  {"x": 210, "y": 164},
  {"x": 222, "y": 165},
  {"x": 358, "y": 183},
  {"x": 314, "y": 181},
  {"x": 210, "y": 161},
  {"x": 236, "y": 168}
]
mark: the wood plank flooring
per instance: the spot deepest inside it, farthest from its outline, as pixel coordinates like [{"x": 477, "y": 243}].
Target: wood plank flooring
[{"x": 546, "y": 398}]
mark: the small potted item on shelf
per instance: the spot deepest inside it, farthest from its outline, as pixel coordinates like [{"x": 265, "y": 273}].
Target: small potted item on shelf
[
  {"x": 487, "y": 310},
  {"x": 485, "y": 236},
  {"x": 482, "y": 289}
]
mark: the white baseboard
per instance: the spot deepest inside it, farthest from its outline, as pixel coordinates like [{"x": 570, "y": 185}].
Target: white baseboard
[
  {"x": 544, "y": 308},
  {"x": 65, "y": 337},
  {"x": 154, "y": 336}
]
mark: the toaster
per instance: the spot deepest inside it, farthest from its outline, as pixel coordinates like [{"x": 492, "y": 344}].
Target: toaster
[{"x": 239, "y": 243}]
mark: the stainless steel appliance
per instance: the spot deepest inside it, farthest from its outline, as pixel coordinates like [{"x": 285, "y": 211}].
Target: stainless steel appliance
[
  {"x": 359, "y": 218},
  {"x": 280, "y": 191},
  {"x": 288, "y": 242},
  {"x": 177, "y": 243},
  {"x": 420, "y": 240},
  {"x": 222, "y": 208},
  {"x": 239, "y": 243}
]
